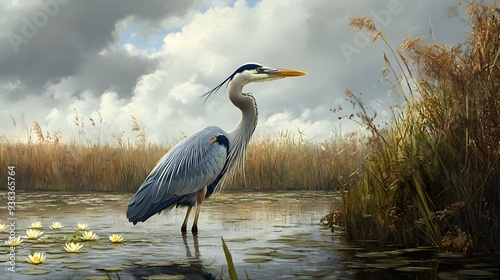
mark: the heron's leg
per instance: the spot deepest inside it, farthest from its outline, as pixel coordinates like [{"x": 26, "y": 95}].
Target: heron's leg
[
  {"x": 184, "y": 225},
  {"x": 201, "y": 197}
]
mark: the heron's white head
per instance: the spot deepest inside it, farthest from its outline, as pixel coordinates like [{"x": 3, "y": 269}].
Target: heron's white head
[{"x": 255, "y": 72}]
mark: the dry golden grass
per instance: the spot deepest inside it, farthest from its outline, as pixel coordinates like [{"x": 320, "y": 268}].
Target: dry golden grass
[
  {"x": 122, "y": 166},
  {"x": 286, "y": 164},
  {"x": 73, "y": 167}
]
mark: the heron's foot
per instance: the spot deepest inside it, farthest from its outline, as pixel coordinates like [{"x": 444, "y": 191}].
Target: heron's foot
[
  {"x": 183, "y": 229},
  {"x": 194, "y": 229}
]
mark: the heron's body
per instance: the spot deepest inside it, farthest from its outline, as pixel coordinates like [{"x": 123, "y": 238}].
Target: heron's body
[
  {"x": 173, "y": 183},
  {"x": 194, "y": 168}
]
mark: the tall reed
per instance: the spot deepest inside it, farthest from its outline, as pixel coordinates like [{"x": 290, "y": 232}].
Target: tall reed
[{"x": 433, "y": 176}]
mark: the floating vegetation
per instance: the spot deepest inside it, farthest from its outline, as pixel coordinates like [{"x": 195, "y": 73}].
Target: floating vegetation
[
  {"x": 165, "y": 277},
  {"x": 77, "y": 266},
  {"x": 97, "y": 278},
  {"x": 70, "y": 261},
  {"x": 414, "y": 268},
  {"x": 34, "y": 272},
  {"x": 239, "y": 239},
  {"x": 280, "y": 255},
  {"x": 374, "y": 255},
  {"x": 110, "y": 268},
  {"x": 258, "y": 260},
  {"x": 156, "y": 264},
  {"x": 314, "y": 273},
  {"x": 476, "y": 273},
  {"x": 298, "y": 242},
  {"x": 41, "y": 246}
]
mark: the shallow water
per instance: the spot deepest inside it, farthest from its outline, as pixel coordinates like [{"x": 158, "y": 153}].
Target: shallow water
[{"x": 271, "y": 235}]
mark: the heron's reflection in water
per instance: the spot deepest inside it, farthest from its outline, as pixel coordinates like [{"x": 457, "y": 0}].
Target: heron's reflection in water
[
  {"x": 190, "y": 268},
  {"x": 195, "y": 245}
]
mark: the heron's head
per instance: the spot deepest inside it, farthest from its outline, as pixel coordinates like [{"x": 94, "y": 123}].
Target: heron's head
[{"x": 255, "y": 72}]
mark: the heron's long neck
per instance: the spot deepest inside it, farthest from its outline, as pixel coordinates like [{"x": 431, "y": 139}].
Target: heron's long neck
[{"x": 239, "y": 137}]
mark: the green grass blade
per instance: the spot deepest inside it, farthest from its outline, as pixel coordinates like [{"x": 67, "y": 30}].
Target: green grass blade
[{"x": 229, "y": 260}]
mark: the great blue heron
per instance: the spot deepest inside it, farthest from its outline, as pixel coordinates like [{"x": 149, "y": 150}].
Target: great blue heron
[{"x": 192, "y": 170}]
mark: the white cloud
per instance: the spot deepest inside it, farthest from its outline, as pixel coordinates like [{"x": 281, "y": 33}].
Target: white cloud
[{"x": 161, "y": 88}]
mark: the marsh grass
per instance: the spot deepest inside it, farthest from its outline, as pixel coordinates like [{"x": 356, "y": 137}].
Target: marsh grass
[
  {"x": 88, "y": 163},
  {"x": 286, "y": 163},
  {"x": 432, "y": 176}
]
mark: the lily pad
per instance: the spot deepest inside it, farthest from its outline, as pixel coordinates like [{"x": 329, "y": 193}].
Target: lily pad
[
  {"x": 77, "y": 266},
  {"x": 374, "y": 255},
  {"x": 97, "y": 278},
  {"x": 445, "y": 275},
  {"x": 34, "y": 272},
  {"x": 413, "y": 268},
  {"x": 159, "y": 255},
  {"x": 155, "y": 264},
  {"x": 41, "y": 246},
  {"x": 101, "y": 247},
  {"x": 240, "y": 239},
  {"x": 257, "y": 260},
  {"x": 476, "y": 272},
  {"x": 315, "y": 273},
  {"x": 284, "y": 256},
  {"x": 111, "y": 268},
  {"x": 297, "y": 235},
  {"x": 165, "y": 277},
  {"x": 70, "y": 261},
  {"x": 307, "y": 244}
]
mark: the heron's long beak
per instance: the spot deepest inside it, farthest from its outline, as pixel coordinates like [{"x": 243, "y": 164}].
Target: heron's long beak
[{"x": 282, "y": 72}]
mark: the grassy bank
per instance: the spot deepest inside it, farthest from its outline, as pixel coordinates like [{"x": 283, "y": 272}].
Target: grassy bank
[{"x": 433, "y": 176}]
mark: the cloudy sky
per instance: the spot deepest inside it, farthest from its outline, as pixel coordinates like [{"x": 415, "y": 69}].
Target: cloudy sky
[{"x": 153, "y": 59}]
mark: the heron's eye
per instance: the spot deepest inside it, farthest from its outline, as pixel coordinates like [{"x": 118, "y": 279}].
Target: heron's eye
[{"x": 258, "y": 69}]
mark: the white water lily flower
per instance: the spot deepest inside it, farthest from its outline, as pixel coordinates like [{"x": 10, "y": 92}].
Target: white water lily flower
[
  {"x": 33, "y": 234},
  {"x": 36, "y": 225},
  {"x": 89, "y": 236},
  {"x": 36, "y": 258},
  {"x": 56, "y": 225},
  {"x": 72, "y": 247},
  {"x": 13, "y": 242},
  {"x": 116, "y": 238},
  {"x": 81, "y": 226}
]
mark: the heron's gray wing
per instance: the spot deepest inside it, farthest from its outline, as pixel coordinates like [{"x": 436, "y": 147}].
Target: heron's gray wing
[{"x": 189, "y": 166}]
